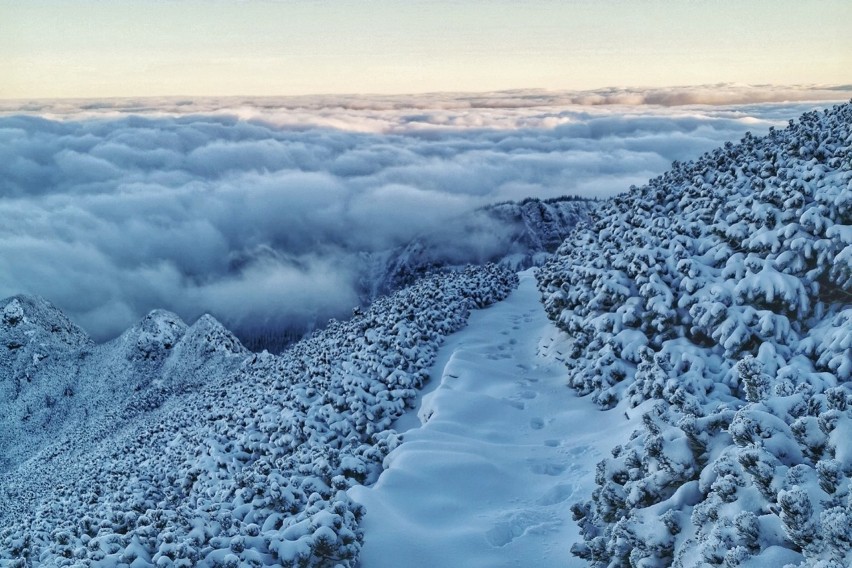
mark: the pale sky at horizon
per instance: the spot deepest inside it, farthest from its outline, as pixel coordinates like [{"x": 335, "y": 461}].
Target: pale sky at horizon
[{"x": 94, "y": 48}]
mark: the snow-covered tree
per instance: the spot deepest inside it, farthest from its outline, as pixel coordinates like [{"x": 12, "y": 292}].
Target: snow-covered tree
[{"x": 720, "y": 289}]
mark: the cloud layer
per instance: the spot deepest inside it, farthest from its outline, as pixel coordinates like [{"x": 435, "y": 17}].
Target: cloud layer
[
  {"x": 394, "y": 113},
  {"x": 259, "y": 212}
]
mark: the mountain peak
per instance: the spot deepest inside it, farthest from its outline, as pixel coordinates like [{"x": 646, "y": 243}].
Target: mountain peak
[
  {"x": 31, "y": 319},
  {"x": 155, "y": 335},
  {"x": 207, "y": 335}
]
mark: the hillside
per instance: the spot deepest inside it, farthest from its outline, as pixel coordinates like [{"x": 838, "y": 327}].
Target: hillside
[
  {"x": 79, "y": 415},
  {"x": 722, "y": 290},
  {"x": 56, "y": 383},
  {"x": 229, "y": 457}
]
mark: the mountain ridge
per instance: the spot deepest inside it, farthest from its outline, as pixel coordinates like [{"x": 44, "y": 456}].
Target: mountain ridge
[
  {"x": 517, "y": 235},
  {"x": 251, "y": 463},
  {"x": 58, "y": 380}
]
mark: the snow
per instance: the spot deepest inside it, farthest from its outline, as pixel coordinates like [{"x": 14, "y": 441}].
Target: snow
[{"x": 505, "y": 448}]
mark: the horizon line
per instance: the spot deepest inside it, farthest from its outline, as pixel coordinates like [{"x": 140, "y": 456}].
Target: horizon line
[{"x": 603, "y": 90}]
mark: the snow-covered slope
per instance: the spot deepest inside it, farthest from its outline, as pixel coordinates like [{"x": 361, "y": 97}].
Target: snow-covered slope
[
  {"x": 723, "y": 291},
  {"x": 248, "y": 468},
  {"x": 55, "y": 383},
  {"x": 712, "y": 307}
]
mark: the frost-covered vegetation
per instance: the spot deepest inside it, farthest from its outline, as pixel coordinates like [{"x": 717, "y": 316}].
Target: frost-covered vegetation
[
  {"x": 241, "y": 464},
  {"x": 714, "y": 302},
  {"x": 723, "y": 291}
]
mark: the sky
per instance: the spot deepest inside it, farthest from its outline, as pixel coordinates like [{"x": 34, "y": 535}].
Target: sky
[
  {"x": 94, "y": 48},
  {"x": 239, "y": 157}
]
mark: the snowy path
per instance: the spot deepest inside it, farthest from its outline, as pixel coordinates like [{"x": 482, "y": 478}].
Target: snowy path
[{"x": 506, "y": 449}]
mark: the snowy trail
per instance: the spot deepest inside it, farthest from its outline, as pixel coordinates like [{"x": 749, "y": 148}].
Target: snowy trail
[{"x": 505, "y": 450}]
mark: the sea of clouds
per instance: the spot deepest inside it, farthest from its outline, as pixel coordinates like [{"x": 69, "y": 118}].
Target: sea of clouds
[{"x": 260, "y": 210}]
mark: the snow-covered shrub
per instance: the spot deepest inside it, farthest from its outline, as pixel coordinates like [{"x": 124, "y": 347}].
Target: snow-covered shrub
[
  {"x": 722, "y": 291},
  {"x": 251, "y": 467}
]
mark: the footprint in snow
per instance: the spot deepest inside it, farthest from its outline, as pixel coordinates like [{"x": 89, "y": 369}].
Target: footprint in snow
[
  {"x": 514, "y": 403},
  {"x": 557, "y": 494},
  {"x": 579, "y": 451},
  {"x": 546, "y": 468},
  {"x": 536, "y": 423},
  {"x": 519, "y": 524}
]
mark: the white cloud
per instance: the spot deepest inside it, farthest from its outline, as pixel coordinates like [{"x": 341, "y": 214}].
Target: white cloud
[
  {"x": 256, "y": 211},
  {"x": 533, "y": 108}
]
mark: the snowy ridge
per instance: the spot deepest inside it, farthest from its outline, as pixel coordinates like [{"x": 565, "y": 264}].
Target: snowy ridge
[
  {"x": 517, "y": 235},
  {"x": 722, "y": 290},
  {"x": 54, "y": 381},
  {"x": 252, "y": 468}
]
